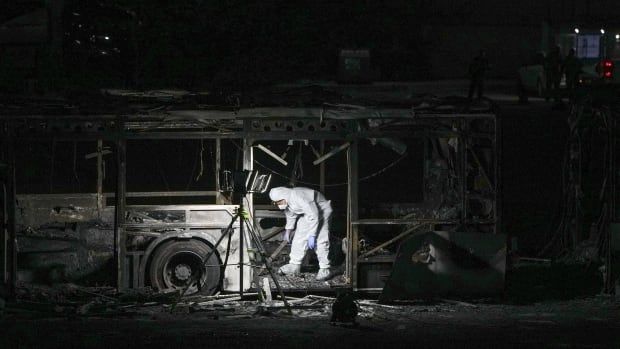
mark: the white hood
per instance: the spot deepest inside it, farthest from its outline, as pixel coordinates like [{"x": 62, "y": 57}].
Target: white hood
[{"x": 279, "y": 193}]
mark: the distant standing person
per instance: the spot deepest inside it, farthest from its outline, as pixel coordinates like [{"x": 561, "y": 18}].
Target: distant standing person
[
  {"x": 572, "y": 68},
  {"x": 553, "y": 73},
  {"x": 477, "y": 72}
]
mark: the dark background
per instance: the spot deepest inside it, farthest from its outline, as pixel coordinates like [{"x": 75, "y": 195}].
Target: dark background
[{"x": 238, "y": 45}]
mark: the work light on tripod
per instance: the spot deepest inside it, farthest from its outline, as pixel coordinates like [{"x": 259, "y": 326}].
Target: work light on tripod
[{"x": 244, "y": 182}]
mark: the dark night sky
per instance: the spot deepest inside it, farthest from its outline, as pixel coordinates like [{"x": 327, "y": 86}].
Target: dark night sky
[{"x": 240, "y": 44}]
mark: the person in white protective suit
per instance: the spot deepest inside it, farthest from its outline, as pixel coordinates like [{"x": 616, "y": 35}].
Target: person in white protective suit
[{"x": 307, "y": 215}]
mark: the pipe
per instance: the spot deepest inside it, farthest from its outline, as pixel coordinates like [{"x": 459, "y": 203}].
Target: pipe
[{"x": 272, "y": 154}]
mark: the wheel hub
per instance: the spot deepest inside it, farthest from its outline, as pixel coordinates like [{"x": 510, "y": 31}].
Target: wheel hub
[
  {"x": 182, "y": 272},
  {"x": 177, "y": 262}
]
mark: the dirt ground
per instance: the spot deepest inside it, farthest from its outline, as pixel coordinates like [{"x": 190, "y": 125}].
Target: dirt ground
[{"x": 583, "y": 323}]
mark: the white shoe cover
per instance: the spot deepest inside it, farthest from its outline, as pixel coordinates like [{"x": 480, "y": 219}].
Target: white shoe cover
[
  {"x": 323, "y": 274},
  {"x": 290, "y": 269}
]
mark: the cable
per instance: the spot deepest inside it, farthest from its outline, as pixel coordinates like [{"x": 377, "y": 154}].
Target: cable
[
  {"x": 228, "y": 247},
  {"x": 392, "y": 164},
  {"x": 202, "y": 150},
  {"x": 558, "y": 236},
  {"x": 298, "y": 168},
  {"x": 191, "y": 175},
  {"x": 334, "y": 184},
  {"x": 577, "y": 158},
  {"x": 161, "y": 173}
]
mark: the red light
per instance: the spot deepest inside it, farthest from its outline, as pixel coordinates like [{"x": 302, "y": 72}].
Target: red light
[{"x": 608, "y": 69}]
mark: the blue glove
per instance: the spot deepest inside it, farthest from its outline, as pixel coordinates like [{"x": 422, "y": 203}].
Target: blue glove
[
  {"x": 311, "y": 242},
  {"x": 286, "y": 236}
]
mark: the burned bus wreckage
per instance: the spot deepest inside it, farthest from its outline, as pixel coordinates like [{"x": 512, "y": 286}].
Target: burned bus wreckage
[{"x": 124, "y": 188}]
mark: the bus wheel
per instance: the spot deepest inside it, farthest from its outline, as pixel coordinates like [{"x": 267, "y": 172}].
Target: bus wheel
[{"x": 175, "y": 263}]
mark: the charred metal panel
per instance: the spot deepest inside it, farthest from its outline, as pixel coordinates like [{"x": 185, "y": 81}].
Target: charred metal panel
[
  {"x": 374, "y": 272},
  {"x": 70, "y": 254},
  {"x": 440, "y": 263},
  {"x": 36, "y": 209},
  {"x": 62, "y": 237}
]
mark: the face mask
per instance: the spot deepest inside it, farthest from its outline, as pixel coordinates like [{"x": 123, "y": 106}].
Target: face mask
[{"x": 282, "y": 206}]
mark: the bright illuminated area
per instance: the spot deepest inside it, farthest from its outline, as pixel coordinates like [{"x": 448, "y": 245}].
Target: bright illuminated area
[{"x": 309, "y": 174}]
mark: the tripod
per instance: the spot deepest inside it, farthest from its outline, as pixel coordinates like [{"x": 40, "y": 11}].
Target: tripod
[{"x": 243, "y": 218}]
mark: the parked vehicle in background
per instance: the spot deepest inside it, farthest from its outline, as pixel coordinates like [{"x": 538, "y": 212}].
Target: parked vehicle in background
[
  {"x": 531, "y": 79},
  {"x": 598, "y": 49}
]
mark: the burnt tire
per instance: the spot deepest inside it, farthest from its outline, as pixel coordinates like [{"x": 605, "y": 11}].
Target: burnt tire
[{"x": 175, "y": 263}]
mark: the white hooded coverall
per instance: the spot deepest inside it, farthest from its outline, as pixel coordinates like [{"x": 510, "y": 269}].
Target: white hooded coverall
[{"x": 307, "y": 212}]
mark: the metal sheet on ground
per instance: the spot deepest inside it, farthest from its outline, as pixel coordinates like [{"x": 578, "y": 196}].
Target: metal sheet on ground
[{"x": 440, "y": 264}]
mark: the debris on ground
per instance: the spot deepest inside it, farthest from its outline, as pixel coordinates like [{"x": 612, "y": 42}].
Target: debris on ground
[
  {"x": 70, "y": 300},
  {"x": 451, "y": 301},
  {"x": 307, "y": 278}
]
